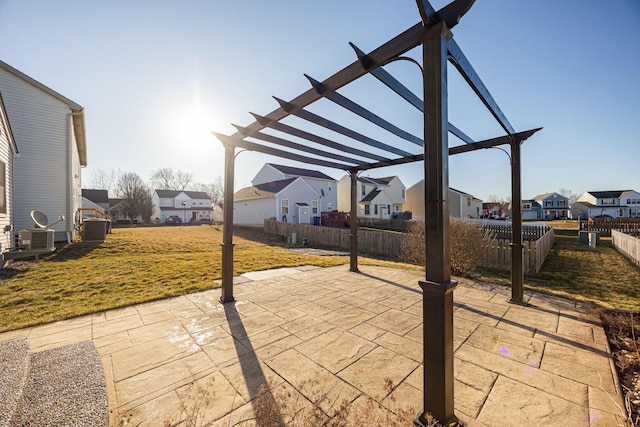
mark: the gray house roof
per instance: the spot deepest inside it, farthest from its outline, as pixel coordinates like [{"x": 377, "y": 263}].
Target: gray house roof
[
  {"x": 372, "y": 195},
  {"x": 169, "y": 194},
  {"x": 268, "y": 189},
  {"x": 607, "y": 194},
  {"x": 376, "y": 181},
  {"x": 309, "y": 173},
  {"x": 547, "y": 195},
  {"x": 96, "y": 196}
]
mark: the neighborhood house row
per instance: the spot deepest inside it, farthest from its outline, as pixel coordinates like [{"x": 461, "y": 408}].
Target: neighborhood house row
[{"x": 43, "y": 147}]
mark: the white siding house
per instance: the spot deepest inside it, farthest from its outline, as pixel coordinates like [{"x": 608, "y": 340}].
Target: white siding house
[
  {"x": 461, "y": 204},
  {"x": 190, "y": 206},
  {"x": 613, "y": 204},
  {"x": 296, "y": 199},
  {"x": 50, "y": 131},
  {"x": 8, "y": 150},
  {"x": 321, "y": 183},
  {"x": 378, "y": 198}
]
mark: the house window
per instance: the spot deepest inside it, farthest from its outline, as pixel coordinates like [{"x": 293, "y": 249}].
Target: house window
[
  {"x": 284, "y": 207},
  {"x": 363, "y": 190},
  {"x": 388, "y": 208},
  {"x": 403, "y": 193},
  {"x": 397, "y": 208},
  {"x": 329, "y": 186},
  {"x": 367, "y": 209},
  {"x": 193, "y": 203},
  {"x": 3, "y": 188},
  {"x": 314, "y": 207},
  {"x": 468, "y": 202},
  {"x": 375, "y": 209},
  {"x": 329, "y": 206},
  {"x": 526, "y": 206}
]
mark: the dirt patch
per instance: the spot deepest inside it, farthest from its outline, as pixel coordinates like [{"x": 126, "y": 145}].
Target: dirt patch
[
  {"x": 14, "y": 269},
  {"x": 623, "y": 332}
]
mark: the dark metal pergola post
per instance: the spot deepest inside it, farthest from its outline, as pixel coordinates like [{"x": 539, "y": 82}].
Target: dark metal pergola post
[
  {"x": 438, "y": 287},
  {"x": 227, "y": 226},
  {"x": 353, "y": 235},
  {"x": 517, "y": 271}
]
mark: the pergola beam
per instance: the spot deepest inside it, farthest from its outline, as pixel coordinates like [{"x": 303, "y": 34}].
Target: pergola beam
[
  {"x": 396, "y": 46},
  {"x": 336, "y": 127},
  {"x": 295, "y": 146},
  {"x": 281, "y": 127},
  {"x": 392, "y": 83},
  {"x": 355, "y": 108},
  {"x": 462, "y": 64},
  {"x": 247, "y": 145},
  {"x": 488, "y": 143}
]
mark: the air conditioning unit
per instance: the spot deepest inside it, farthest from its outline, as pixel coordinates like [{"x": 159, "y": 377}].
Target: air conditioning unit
[{"x": 36, "y": 238}]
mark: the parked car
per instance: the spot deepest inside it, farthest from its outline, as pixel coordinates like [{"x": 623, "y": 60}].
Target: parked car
[{"x": 173, "y": 220}]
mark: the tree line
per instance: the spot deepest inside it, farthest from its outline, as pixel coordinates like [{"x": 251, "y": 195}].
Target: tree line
[{"x": 136, "y": 195}]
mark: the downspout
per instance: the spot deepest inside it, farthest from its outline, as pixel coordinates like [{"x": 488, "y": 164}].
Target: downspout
[{"x": 70, "y": 187}]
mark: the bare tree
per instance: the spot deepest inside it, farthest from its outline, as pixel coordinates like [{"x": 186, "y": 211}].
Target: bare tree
[
  {"x": 136, "y": 196},
  {"x": 183, "y": 179},
  {"x": 569, "y": 195},
  {"x": 214, "y": 190},
  {"x": 168, "y": 179},
  {"x": 103, "y": 180}
]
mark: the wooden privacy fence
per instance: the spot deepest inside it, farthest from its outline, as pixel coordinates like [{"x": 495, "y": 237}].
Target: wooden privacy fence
[
  {"x": 534, "y": 252},
  {"x": 391, "y": 243},
  {"x": 605, "y": 225},
  {"x": 627, "y": 244},
  {"x": 503, "y": 231}
]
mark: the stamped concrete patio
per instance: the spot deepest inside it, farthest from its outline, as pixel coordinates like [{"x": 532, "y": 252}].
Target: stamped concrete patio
[{"x": 545, "y": 364}]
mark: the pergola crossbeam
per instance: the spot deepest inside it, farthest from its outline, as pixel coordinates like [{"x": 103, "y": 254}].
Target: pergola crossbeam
[
  {"x": 290, "y": 130},
  {"x": 295, "y": 146},
  {"x": 392, "y": 83},
  {"x": 336, "y": 127},
  {"x": 459, "y": 60},
  {"x": 355, "y": 108},
  {"x": 398, "y": 45},
  {"x": 250, "y": 146}
]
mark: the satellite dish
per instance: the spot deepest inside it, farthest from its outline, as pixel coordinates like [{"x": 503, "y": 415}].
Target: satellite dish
[{"x": 40, "y": 219}]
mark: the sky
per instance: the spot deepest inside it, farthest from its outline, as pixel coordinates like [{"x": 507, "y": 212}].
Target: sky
[{"x": 157, "y": 77}]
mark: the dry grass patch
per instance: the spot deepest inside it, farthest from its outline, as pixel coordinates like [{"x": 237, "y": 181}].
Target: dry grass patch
[
  {"x": 136, "y": 265},
  {"x": 601, "y": 275}
]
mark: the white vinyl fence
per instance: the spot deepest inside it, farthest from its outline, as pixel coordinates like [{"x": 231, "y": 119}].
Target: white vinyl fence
[{"x": 627, "y": 244}]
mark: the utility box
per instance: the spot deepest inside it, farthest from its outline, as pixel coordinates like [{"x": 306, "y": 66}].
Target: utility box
[{"x": 94, "y": 230}]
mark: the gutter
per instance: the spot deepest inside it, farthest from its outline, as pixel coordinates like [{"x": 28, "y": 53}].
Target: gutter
[{"x": 71, "y": 217}]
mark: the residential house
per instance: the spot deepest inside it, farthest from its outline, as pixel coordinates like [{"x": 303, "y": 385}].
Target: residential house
[
  {"x": 378, "y": 198},
  {"x": 613, "y": 204},
  {"x": 118, "y": 213},
  {"x": 8, "y": 150},
  {"x": 95, "y": 199},
  {"x": 190, "y": 206},
  {"x": 287, "y": 193},
  {"x": 51, "y": 133},
  {"x": 461, "y": 204},
  {"x": 495, "y": 210},
  {"x": 531, "y": 210},
  {"x": 554, "y": 206}
]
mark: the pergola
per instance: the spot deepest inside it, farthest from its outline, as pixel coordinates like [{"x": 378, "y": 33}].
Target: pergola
[{"x": 361, "y": 152}]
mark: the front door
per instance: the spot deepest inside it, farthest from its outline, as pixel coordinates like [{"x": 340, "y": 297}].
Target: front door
[{"x": 303, "y": 214}]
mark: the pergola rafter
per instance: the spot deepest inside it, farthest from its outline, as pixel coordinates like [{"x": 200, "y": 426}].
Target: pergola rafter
[{"x": 438, "y": 49}]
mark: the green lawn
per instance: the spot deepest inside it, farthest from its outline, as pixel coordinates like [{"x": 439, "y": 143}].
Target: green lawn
[
  {"x": 601, "y": 275},
  {"x": 136, "y": 265},
  {"x": 147, "y": 263}
]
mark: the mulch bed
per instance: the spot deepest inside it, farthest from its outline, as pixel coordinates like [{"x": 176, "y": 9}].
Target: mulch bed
[{"x": 623, "y": 332}]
